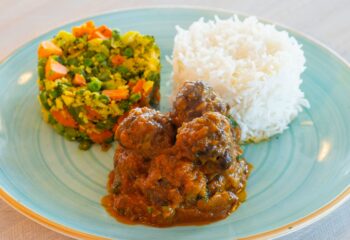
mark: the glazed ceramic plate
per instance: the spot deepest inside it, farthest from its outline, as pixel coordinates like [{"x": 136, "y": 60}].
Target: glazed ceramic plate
[{"x": 298, "y": 176}]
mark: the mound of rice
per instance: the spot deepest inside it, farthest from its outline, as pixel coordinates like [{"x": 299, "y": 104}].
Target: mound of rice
[{"x": 254, "y": 67}]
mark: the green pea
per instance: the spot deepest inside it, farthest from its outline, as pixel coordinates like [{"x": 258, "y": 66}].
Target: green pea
[{"x": 95, "y": 85}]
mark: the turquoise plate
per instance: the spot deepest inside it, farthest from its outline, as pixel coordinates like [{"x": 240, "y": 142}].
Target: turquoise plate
[{"x": 298, "y": 177}]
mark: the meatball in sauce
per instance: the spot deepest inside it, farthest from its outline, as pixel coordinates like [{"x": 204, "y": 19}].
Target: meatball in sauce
[
  {"x": 146, "y": 131},
  {"x": 181, "y": 168},
  {"x": 193, "y": 100}
]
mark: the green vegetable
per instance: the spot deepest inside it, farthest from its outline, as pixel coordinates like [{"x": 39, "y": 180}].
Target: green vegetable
[
  {"x": 115, "y": 35},
  {"x": 80, "y": 92},
  {"x": 42, "y": 62},
  {"x": 74, "y": 111},
  {"x": 89, "y": 54},
  {"x": 59, "y": 128},
  {"x": 124, "y": 105},
  {"x": 128, "y": 52},
  {"x": 85, "y": 145},
  {"x": 155, "y": 77},
  {"x": 105, "y": 99},
  {"x": 107, "y": 124},
  {"x": 135, "y": 97},
  {"x": 59, "y": 89},
  {"x": 43, "y": 100},
  {"x": 54, "y": 93},
  {"x": 63, "y": 38},
  {"x": 95, "y": 85},
  {"x": 70, "y": 133},
  {"x": 123, "y": 70},
  {"x": 88, "y": 62},
  {"x": 100, "y": 57},
  {"x": 104, "y": 75},
  {"x": 41, "y": 72},
  {"x": 73, "y": 62},
  {"x": 51, "y": 120}
]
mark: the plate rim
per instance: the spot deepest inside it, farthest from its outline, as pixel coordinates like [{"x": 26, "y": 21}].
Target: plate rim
[{"x": 280, "y": 231}]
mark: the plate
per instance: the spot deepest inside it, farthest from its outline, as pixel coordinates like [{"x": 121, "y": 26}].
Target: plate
[{"x": 298, "y": 177}]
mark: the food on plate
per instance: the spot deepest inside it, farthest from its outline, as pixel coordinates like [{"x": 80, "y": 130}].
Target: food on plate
[
  {"x": 193, "y": 99},
  {"x": 196, "y": 178},
  {"x": 208, "y": 139},
  {"x": 253, "y": 66},
  {"x": 146, "y": 131},
  {"x": 90, "y": 78}
]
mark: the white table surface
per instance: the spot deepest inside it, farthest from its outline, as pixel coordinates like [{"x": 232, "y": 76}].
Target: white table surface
[{"x": 325, "y": 20}]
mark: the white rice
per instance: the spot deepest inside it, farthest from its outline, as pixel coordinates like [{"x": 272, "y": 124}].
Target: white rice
[{"x": 254, "y": 67}]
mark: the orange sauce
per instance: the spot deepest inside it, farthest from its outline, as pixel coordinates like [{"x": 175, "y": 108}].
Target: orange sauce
[{"x": 107, "y": 203}]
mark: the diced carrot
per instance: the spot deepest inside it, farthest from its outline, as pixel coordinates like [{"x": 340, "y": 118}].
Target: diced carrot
[
  {"x": 105, "y": 31},
  {"x": 87, "y": 28},
  {"x": 54, "y": 69},
  {"x": 78, "y": 31},
  {"x": 100, "y": 137},
  {"x": 138, "y": 86},
  {"x": 92, "y": 114},
  {"x": 48, "y": 48},
  {"x": 64, "y": 118},
  {"x": 79, "y": 80},
  {"x": 102, "y": 32},
  {"x": 89, "y": 24},
  {"x": 97, "y": 34},
  {"x": 117, "y": 60},
  {"x": 91, "y": 31},
  {"x": 116, "y": 94}
]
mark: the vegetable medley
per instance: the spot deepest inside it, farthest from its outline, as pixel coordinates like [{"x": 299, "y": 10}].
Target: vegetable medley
[{"x": 89, "y": 79}]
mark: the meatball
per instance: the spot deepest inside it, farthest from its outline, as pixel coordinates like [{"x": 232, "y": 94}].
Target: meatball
[
  {"x": 128, "y": 166},
  {"x": 146, "y": 131},
  {"x": 208, "y": 139},
  {"x": 173, "y": 180},
  {"x": 194, "y": 99}
]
